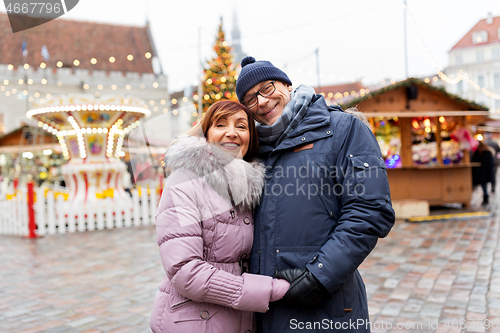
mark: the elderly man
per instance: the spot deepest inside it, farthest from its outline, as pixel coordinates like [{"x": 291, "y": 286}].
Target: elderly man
[{"x": 325, "y": 204}]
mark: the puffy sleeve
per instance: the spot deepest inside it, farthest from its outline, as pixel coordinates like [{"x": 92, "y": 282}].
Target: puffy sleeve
[
  {"x": 366, "y": 210},
  {"x": 180, "y": 238}
]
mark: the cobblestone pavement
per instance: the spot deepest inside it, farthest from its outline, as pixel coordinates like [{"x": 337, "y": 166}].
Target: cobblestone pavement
[{"x": 424, "y": 277}]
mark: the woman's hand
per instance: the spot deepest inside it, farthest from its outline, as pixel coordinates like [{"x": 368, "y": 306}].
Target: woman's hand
[{"x": 279, "y": 289}]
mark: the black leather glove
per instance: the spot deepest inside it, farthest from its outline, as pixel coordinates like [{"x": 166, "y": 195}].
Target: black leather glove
[{"x": 304, "y": 289}]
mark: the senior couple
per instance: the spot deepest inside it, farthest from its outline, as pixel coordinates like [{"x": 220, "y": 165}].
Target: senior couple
[{"x": 268, "y": 212}]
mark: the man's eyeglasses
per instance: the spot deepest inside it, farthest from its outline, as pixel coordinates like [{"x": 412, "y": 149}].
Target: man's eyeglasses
[{"x": 265, "y": 91}]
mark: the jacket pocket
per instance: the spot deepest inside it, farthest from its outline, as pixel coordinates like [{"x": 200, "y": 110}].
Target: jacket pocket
[
  {"x": 295, "y": 256},
  {"x": 321, "y": 181},
  {"x": 370, "y": 174},
  {"x": 199, "y": 314}
]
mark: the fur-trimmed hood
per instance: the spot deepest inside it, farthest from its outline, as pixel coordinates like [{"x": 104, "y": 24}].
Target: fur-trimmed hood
[{"x": 218, "y": 169}]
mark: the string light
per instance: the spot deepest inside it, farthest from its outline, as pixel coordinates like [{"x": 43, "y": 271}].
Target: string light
[
  {"x": 461, "y": 75},
  {"x": 31, "y": 96},
  {"x": 66, "y": 108}
]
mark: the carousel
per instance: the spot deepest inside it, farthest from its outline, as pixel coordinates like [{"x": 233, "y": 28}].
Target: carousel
[{"x": 91, "y": 131}]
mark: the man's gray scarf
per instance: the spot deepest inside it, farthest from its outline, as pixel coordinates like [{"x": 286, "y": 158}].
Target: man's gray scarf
[{"x": 292, "y": 114}]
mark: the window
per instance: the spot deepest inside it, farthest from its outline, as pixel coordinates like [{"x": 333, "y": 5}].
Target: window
[
  {"x": 495, "y": 54},
  {"x": 480, "y": 56},
  {"x": 480, "y": 80},
  {"x": 479, "y": 37},
  {"x": 496, "y": 80},
  {"x": 460, "y": 87},
  {"x": 458, "y": 59}
]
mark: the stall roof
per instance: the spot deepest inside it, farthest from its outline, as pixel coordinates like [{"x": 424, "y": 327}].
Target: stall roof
[
  {"x": 411, "y": 114},
  {"x": 56, "y": 147},
  {"x": 352, "y": 101},
  {"x": 27, "y": 136}
]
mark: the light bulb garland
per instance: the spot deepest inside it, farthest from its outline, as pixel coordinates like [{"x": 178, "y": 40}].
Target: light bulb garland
[
  {"x": 461, "y": 75},
  {"x": 211, "y": 78},
  {"x": 77, "y": 62}
]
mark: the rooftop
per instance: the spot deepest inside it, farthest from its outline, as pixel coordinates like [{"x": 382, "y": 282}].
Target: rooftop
[{"x": 491, "y": 25}]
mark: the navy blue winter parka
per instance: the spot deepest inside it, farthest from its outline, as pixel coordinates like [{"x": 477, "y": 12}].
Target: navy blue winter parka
[{"x": 325, "y": 204}]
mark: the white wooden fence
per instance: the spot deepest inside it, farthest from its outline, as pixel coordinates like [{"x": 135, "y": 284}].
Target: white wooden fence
[
  {"x": 14, "y": 215},
  {"x": 56, "y": 216}
]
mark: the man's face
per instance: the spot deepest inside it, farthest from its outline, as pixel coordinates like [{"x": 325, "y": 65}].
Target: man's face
[{"x": 270, "y": 108}]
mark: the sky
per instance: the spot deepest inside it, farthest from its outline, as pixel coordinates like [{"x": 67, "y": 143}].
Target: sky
[{"x": 354, "y": 40}]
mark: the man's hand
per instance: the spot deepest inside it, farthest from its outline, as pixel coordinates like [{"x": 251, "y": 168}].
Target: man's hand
[{"x": 304, "y": 289}]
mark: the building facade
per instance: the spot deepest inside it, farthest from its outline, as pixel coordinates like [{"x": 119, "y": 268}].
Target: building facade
[
  {"x": 76, "y": 57},
  {"x": 476, "y": 60}
]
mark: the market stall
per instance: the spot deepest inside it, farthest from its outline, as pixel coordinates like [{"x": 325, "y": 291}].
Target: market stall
[
  {"x": 425, "y": 137},
  {"x": 29, "y": 153}
]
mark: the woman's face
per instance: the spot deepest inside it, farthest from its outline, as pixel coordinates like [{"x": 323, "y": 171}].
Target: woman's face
[{"x": 231, "y": 134}]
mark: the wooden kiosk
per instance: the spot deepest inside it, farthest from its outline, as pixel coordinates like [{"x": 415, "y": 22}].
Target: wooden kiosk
[{"x": 417, "y": 111}]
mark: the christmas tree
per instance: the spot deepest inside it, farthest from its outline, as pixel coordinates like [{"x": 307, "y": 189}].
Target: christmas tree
[{"x": 220, "y": 77}]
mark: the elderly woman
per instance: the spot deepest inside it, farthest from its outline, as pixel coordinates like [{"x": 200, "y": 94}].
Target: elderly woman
[{"x": 205, "y": 228}]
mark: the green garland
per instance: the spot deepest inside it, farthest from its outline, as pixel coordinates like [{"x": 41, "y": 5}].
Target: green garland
[{"x": 414, "y": 81}]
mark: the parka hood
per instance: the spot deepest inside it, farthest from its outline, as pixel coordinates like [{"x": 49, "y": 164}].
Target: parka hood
[{"x": 218, "y": 169}]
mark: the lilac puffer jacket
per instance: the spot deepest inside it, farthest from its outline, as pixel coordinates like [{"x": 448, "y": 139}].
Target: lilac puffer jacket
[{"x": 203, "y": 237}]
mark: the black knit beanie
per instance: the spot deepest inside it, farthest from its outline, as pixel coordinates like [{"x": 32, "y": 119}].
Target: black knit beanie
[{"x": 254, "y": 72}]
